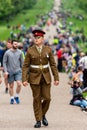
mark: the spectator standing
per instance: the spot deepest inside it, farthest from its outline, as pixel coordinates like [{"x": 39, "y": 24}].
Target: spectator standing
[
  {"x": 8, "y": 46},
  {"x": 83, "y": 61},
  {"x": 12, "y": 63},
  {"x": 60, "y": 59}
]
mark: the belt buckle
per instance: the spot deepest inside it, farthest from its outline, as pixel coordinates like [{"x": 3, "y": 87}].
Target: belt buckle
[{"x": 41, "y": 66}]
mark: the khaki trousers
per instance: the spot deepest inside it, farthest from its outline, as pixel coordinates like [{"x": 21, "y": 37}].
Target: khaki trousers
[{"x": 41, "y": 98}]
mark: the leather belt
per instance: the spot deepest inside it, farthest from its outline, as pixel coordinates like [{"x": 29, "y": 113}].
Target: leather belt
[{"x": 40, "y": 66}]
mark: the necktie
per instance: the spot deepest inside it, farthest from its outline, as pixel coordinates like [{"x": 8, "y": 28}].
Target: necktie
[{"x": 39, "y": 49}]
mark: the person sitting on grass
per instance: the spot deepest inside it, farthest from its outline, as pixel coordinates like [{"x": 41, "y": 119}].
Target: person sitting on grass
[{"x": 77, "y": 92}]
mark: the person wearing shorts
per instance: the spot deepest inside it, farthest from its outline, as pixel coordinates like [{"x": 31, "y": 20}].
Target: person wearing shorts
[
  {"x": 12, "y": 63},
  {"x": 14, "y": 76}
]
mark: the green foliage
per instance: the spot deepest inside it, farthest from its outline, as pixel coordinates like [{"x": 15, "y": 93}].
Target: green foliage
[
  {"x": 26, "y": 17},
  {"x": 17, "y": 5},
  {"x": 76, "y": 9},
  {"x": 9, "y": 8},
  {"x": 83, "y": 4},
  {"x": 5, "y": 9}
]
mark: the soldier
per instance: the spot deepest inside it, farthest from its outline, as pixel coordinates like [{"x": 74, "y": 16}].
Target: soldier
[{"x": 37, "y": 61}]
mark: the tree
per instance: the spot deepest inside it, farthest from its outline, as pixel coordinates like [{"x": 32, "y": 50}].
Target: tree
[
  {"x": 12, "y": 7},
  {"x": 83, "y": 4},
  {"x": 5, "y": 8}
]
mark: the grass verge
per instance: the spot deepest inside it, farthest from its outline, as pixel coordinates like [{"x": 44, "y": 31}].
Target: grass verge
[{"x": 26, "y": 17}]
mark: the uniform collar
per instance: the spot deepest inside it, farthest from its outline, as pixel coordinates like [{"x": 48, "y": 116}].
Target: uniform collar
[{"x": 39, "y": 47}]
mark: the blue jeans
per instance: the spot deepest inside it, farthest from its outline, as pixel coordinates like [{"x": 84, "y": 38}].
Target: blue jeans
[{"x": 82, "y": 103}]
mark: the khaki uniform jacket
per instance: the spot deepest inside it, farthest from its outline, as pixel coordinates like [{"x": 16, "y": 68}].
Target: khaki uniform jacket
[{"x": 33, "y": 57}]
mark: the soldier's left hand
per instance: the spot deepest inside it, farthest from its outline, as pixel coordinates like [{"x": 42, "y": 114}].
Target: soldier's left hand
[{"x": 56, "y": 83}]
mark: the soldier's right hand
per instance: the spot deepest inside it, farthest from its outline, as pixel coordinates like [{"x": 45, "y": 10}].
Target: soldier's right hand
[{"x": 25, "y": 83}]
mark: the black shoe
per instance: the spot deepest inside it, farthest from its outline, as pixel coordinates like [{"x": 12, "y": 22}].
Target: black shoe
[
  {"x": 6, "y": 90},
  {"x": 44, "y": 121},
  {"x": 37, "y": 125}
]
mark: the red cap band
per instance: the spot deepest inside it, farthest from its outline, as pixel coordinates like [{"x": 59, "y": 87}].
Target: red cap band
[{"x": 38, "y": 34}]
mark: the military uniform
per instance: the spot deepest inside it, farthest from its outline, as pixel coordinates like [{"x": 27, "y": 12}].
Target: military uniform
[
  {"x": 36, "y": 71},
  {"x": 40, "y": 78}
]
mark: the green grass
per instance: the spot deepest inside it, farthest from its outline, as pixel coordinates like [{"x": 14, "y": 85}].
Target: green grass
[
  {"x": 26, "y": 17},
  {"x": 72, "y": 7},
  {"x": 4, "y": 32},
  {"x": 74, "y": 10},
  {"x": 78, "y": 24},
  {"x": 85, "y": 94}
]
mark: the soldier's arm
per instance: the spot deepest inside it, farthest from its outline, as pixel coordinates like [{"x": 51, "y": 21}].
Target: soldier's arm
[
  {"x": 53, "y": 66},
  {"x": 25, "y": 67}
]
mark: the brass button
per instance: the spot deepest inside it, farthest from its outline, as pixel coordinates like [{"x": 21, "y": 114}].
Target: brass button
[{"x": 41, "y": 66}]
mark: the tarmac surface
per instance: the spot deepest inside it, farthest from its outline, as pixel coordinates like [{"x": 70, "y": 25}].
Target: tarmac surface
[{"x": 61, "y": 115}]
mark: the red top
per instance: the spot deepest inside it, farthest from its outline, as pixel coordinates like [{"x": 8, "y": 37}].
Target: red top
[{"x": 59, "y": 54}]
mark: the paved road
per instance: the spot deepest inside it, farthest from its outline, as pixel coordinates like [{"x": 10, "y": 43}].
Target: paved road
[
  {"x": 51, "y": 31},
  {"x": 61, "y": 115}
]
